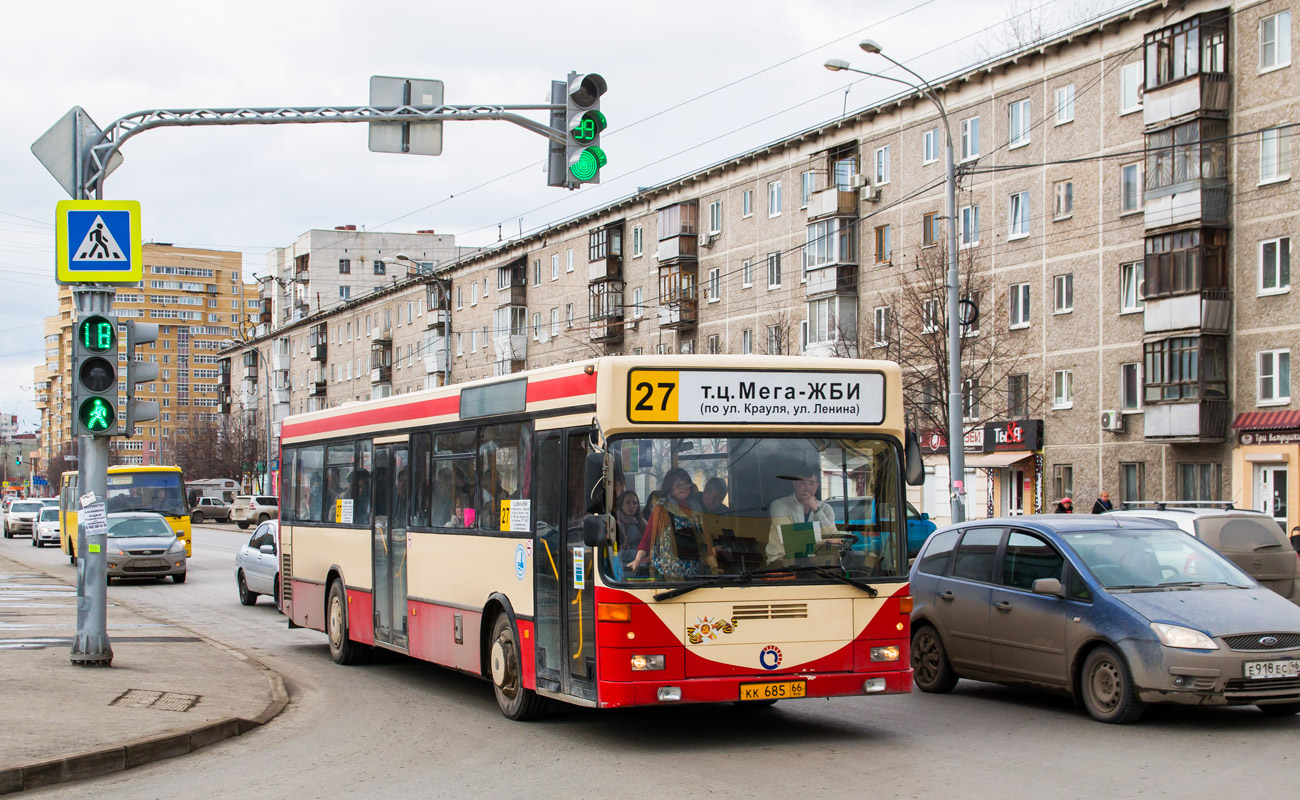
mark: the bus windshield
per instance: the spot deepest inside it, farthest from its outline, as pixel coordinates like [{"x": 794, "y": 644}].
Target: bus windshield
[
  {"x": 159, "y": 492},
  {"x": 690, "y": 508}
]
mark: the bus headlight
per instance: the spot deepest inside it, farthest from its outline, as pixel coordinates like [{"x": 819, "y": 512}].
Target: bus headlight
[
  {"x": 644, "y": 663},
  {"x": 884, "y": 653}
]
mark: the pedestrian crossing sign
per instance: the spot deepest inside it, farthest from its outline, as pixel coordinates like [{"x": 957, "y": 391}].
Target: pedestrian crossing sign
[{"x": 98, "y": 241}]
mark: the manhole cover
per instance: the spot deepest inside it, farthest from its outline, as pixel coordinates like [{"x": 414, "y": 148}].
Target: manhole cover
[{"x": 152, "y": 698}]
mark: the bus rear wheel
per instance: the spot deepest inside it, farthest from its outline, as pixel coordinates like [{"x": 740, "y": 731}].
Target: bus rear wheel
[
  {"x": 516, "y": 702},
  {"x": 342, "y": 649}
]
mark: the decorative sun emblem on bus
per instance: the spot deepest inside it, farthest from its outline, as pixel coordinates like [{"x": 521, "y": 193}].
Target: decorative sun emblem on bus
[{"x": 709, "y": 628}]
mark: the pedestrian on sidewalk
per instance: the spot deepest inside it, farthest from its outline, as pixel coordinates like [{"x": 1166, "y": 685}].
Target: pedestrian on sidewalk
[
  {"x": 1103, "y": 504},
  {"x": 1295, "y": 538},
  {"x": 1066, "y": 506}
]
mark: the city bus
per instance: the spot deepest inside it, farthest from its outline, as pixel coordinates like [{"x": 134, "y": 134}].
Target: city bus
[
  {"x": 479, "y": 526},
  {"x": 130, "y": 488}
]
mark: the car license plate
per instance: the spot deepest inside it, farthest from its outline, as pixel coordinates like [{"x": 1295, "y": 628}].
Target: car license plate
[
  {"x": 1273, "y": 669},
  {"x": 148, "y": 562},
  {"x": 773, "y": 691}
]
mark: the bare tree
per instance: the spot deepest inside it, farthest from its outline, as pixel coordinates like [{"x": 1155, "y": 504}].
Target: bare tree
[
  {"x": 778, "y": 334},
  {"x": 229, "y": 446}
]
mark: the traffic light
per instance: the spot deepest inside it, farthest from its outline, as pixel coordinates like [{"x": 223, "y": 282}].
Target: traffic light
[
  {"x": 94, "y": 385},
  {"x": 138, "y": 333},
  {"x": 584, "y": 121}
]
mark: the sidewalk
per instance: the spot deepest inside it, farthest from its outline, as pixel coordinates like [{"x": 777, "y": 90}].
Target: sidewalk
[{"x": 169, "y": 691}]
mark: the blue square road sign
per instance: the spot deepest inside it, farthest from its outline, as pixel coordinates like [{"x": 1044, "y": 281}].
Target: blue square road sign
[{"x": 98, "y": 241}]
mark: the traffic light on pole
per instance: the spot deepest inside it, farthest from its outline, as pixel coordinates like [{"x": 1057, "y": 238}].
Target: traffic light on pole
[
  {"x": 584, "y": 121},
  {"x": 94, "y": 384},
  {"x": 138, "y": 333}
]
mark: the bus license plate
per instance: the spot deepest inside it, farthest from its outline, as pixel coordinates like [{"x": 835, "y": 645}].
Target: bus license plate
[
  {"x": 1273, "y": 669},
  {"x": 773, "y": 691}
]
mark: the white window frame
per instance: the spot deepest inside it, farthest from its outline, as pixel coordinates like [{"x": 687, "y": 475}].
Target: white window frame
[
  {"x": 747, "y": 203},
  {"x": 1063, "y": 293},
  {"x": 1064, "y": 104},
  {"x": 1281, "y": 252},
  {"x": 555, "y": 322},
  {"x": 1281, "y": 41},
  {"x": 714, "y": 285},
  {"x": 715, "y": 217},
  {"x": 930, "y": 146},
  {"x": 1130, "y": 75},
  {"x": 880, "y": 326},
  {"x": 1018, "y": 216},
  {"x": 1277, "y": 140},
  {"x": 747, "y": 341},
  {"x": 568, "y": 316},
  {"x": 568, "y": 260},
  {"x": 881, "y": 165},
  {"x": 1124, "y": 407},
  {"x": 1063, "y": 190},
  {"x": 555, "y": 266},
  {"x": 970, "y": 401},
  {"x": 807, "y": 183},
  {"x": 638, "y": 307},
  {"x": 970, "y": 139},
  {"x": 1132, "y": 276},
  {"x": 774, "y": 199},
  {"x": 537, "y": 326},
  {"x": 637, "y": 242},
  {"x": 1062, "y": 389},
  {"x": 774, "y": 270},
  {"x": 1019, "y": 306},
  {"x": 970, "y": 223},
  {"x": 1134, "y": 169},
  {"x": 888, "y": 241},
  {"x": 1268, "y": 385},
  {"x": 1018, "y": 133},
  {"x": 747, "y": 273},
  {"x": 930, "y": 315}
]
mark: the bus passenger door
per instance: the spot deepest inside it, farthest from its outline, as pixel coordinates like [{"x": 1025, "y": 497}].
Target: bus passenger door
[
  {"x": 565, "y": 608},
  {"x": 391, "y": 497}
]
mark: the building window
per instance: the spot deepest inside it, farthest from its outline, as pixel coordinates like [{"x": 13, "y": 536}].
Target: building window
[
  {"x": 1063, "y": 200},
  {"x": 970, "y": 399},
  {"x": 555, "y": 267},
  {"x": 1130, "y": 178},
  {"x": 807, "y": 181},
  {"x": 1063, "y": 388},
  {"x": 636, "y": 242},
  {"x": 1130, "y": 86},
  {"x": 883, "y": 248},
  {"x": 747, "y": 341},
  {"x": 773, "y": 270},
  {"x": 1019, "y": 122},
  {"x": 1274, "y": 155},
  {"x": 568, "y": 316},
  {"x": 1130, "y": 387},
  {"x": 555, "y": 322},
  {"x": 880, "y": 328},
  {"x": 1185, "y": 368},
  {"x": 1063, "y": 480},
  {"x": 1019, "y": 215},
  {"x": 929, "y": 230},
  {"x": 1191, "y": 151},
  {"x": 1199, "y": 482},
  {"x": 638, "y": 310},
  {"x": 537, "y": 327},
  {"x": 460, "y": 298},
  {"x": 1186, "y": 261},
  {"x": 970, "y": 138},
  {"x": 1131, "y": 286},
  {"x": 746, "y": 274},
  {"x": 774, "y": 199},
  {"x": 473, "y": 294},
  {"x": 1275, "y": 265},
  {"x": 1275, "y": 41},
  {"x": 969, "y": 327},
  {"x": 345, "y": 292},
  {"x": 1020, "y": 305},
  {"x": 345, "y": 266},
  {"x": 715, "y": 216},
  {"x": 1017, "y": 396},
  {"x": 715, "y": 285},
  {"x": 712, "y": 345},
  {"x": 1063, "y": 293},
  {"x": 1131, "y": 483},
  {"x": 882, "y": 166},
  {"x": 1274, "y": 377},
  {"x": 1065, "y": 104},
  {"x": 537, "y": 272},
  {"x": 930, "y": 309},
  {"x": 930, "y": 146},
  {"x": 568, "y": 260},
  {"x": 746, "y": 203},
  {"x": 380, "y": 267},
  {"x": 970, "y": 226}
]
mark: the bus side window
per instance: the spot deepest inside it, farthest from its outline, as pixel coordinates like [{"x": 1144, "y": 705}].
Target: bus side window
[
  {"x": 502, "y": 455},
  {"x": 365, "y": 484},
  {"x": 421, "y": 480},
  {"x": 289, "y": 484},
  {"x": 310, "y": 483}
]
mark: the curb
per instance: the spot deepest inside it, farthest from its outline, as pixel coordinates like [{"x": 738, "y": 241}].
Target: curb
[{"x": 106, "y": 761}]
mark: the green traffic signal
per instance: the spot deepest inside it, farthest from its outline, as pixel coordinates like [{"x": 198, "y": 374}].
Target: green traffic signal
[
  {"x": 587, "y": 163},
  {"x": 97, "y": 334},
  {"x": 97, "y": 414},
  {"x": 588, "y": 127}
]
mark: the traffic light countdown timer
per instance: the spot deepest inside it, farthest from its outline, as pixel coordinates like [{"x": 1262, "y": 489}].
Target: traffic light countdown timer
[
  {"x": 96, "y": 383},
  {"x": 583, "y": 124}
]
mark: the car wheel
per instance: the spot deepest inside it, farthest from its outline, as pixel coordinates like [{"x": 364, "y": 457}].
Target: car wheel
[
  {"x": 72, "y": 555},
  {"x": 516, "y": 702},
  {"x": 178, "y": 577},
  {"x": 278, "y": 605},
  {"x": 243, "y": 526},
  {"x": 34, "y": 544},
  {"x": 931, "y": 670},
  {"x": 1280, "y": 709},
  {"x": 342, "y": 649},
  {"x": 197, "y": 517},
  {"x": 262, "y": 518},
  {"x": 1107, "y": 688},
  {"x": 245, "y": 596}
]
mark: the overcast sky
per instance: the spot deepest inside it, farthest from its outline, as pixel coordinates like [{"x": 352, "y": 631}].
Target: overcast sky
[{"x": 691, "y": 82}]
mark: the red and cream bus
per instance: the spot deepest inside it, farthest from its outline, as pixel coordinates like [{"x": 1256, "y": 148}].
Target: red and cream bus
[{"x": 490, "y": 527}]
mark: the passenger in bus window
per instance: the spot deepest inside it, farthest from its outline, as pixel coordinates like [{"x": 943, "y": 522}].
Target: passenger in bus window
[
  {"x": 457, "y": 519},
  {"x": 444, "y": 491},
  {"x": 799, "y": 508},
  {"x": 715, "y": 491},
  {"x": 673, "y": 544},
  {"x": 360, "y": 492},
  {"x": 630, "y": 529}
]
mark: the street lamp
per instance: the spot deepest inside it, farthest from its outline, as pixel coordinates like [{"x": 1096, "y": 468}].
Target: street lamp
[
  {"x": 956, "y": 437},
  {"x": 266, "y": 370}
]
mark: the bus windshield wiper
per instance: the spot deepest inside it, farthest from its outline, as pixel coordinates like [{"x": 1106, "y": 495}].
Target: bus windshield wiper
[{"x": 748, "y": 576}]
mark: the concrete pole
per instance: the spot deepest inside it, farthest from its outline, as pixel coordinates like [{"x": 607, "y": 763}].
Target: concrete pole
[
  {"x": 956, "y": 437},
  {"x": 266, "y": 369}
]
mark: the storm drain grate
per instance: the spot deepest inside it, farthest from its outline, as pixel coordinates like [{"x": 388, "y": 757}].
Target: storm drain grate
[{"x": 152, "y": 698}]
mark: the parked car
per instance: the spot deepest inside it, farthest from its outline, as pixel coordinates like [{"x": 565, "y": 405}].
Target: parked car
[
  {"x": 255, "y": 509},
  {"x": 47, "y": 527},
  {"x": 142, "y": 545},
  {"x": 21, "y": 517},
  {"x": 257, "y": 564},
  {"x": 1249, "y": 539},
  {"x": 50, "y": 502},
  {"x": 1099, "y": 607},
  {"x": 210, "y": 508}
]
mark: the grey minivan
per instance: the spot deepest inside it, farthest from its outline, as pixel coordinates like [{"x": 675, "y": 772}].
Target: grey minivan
[{"x": 1100, "y": 607}]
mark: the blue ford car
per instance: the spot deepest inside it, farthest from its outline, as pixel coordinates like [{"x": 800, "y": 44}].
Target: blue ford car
[{"x": 1104, "y": 609}]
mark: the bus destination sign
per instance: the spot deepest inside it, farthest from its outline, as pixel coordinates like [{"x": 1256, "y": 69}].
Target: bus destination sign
[{"x": 741, "y": 397}]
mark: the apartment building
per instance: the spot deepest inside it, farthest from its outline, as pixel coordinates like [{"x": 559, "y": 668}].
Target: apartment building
[
  {"x": 198, "y": 299},
  {"x": 1124, "y": 221}
]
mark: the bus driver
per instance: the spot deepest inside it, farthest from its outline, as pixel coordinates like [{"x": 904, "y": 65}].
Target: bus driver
[{"x": 801, "y": 507}]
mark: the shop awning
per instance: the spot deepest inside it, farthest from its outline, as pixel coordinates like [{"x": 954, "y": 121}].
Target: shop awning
[
  {"x": 1267, "y": 421},
  {"x": 988, "y": 460}
]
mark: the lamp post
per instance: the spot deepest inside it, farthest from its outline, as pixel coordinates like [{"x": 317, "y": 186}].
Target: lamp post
[
  {"x": 266, "y": 370},
  {"x": 956, "y": 437}
]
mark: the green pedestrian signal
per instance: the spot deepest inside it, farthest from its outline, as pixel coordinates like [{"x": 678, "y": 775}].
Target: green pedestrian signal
[
  {"x": 95, "y": 378},
  {"x": 96, "y": 414}
]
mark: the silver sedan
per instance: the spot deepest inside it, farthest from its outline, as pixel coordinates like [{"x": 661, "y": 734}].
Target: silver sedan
[
  {"x": 143, "y": 545},
  {"x": 257, "y": 564}
]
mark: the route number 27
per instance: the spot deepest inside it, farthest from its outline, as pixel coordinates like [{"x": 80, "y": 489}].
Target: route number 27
[{"x": 653, "y": 399}]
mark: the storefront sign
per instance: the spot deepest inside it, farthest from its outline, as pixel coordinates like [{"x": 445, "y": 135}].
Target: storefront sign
[
  {"x": 1268, "y": 437},
  {"x": 1013, "y": 435}
]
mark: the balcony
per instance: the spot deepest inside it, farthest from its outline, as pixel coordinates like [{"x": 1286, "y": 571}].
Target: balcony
[
  {"x": 1190, "y": 423},
  {"x": 280, "y": 362},
  {"x": 608, "y": 331},
  {"x": 511, "y": 347},
  {"x": 1209, "y": 310},
  {"x": 383, "y": 374},
  {"x": 839, "y": 279},
  {"x": 832, "y": 203},
  {"x": 604, "y": 269},
  {"x": 436, "y": 319},
  {"x": 318, "y": 351},
  {"x": 514, "y": 295},
  {"x": 317, "y": 389},
  {"x": 1208, "y": 93},
  {"x": 280, "y": 396},
  {"x": 381, "y": 336},
  {"x": 679, "y": 314},
  {"x": 1193, "y": 201},
  {"x": 437, "y": 362}
]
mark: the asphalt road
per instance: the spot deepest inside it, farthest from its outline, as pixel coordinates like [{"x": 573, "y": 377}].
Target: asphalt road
[{"x": 402, "y": 729}]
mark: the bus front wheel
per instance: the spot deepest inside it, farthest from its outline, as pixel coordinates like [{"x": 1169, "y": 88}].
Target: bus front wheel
[
  {"x": 516, "y": 702},
  {"x": 342, "y": 649}
]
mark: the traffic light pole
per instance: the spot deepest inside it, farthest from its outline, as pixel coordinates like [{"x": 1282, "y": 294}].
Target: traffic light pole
[{"x": 91, "y": 647}]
